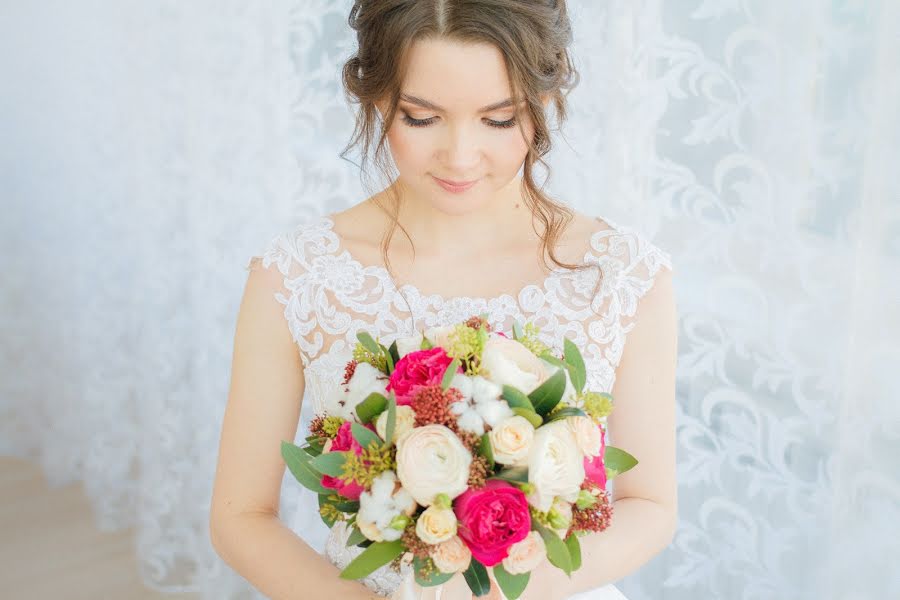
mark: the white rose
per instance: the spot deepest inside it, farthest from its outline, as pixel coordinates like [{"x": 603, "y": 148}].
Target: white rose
[
  {"x": 436, "y": 525},
  {"x": 452, "y": 556},
  {"x": 366, "y": 380},
  {"x": 507, "y": 362},
  {"x": 511, "y": 441},
  {"x": 526, "y": 555},
  {"x": 587, "y": 435},
  {"x": 555, "y": 465},
  {"x": 408, "y": 344},
  {"x": 432, "y": 460},
  {"x": 439, "y": 336},
  {"x": 404, "y": 422}
]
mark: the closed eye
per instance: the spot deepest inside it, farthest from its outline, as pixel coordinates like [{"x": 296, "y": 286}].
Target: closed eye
[{"x": 426, "y": 122}]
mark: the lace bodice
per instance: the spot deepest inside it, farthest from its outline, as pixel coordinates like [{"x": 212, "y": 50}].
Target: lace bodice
[{"x": 328, "y": 296}]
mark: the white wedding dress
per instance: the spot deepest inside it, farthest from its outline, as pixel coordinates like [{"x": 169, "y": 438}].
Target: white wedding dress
[{"x": 328, "y": 296}]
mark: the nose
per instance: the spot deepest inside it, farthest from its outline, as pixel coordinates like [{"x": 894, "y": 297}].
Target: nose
[{"x": 462, "y": 150}]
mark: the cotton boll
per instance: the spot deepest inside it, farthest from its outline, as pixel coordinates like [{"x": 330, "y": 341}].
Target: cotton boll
[
  {"x": 463, "y": 383},
  {"x": 471, "y": 421},
  {"x": 484, "y": 390},
  {"x": 494, "y": 412}
]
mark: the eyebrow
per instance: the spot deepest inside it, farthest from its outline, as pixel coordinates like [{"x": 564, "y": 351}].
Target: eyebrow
[{"x": 431, "y": 105}]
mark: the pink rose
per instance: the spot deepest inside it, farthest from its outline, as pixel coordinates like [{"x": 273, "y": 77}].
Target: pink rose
[
  {"x": 594, "y": 468},
  {"x": 418, "y": 368},
  {"x": 343, "y": 442},
  {"x": 492, "y": 519}
]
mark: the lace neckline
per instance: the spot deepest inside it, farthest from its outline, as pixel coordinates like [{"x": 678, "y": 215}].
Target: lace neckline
[{"x": 436, "y": 299}]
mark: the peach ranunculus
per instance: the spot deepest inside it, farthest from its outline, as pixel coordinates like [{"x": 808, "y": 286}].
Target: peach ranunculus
[
  {"x": 511, "y": 441},
  {"x": 436, "y": 524},
  {"x": 526, "y": 555},
  {"x": 431, "y": 460},
  {"x": 452, "y": 556},
  {"x": 587, "y": 435},
  {"x": 507, "y": 362}
]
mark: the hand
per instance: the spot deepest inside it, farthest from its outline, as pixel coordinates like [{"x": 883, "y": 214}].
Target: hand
[{"x": 547, "y": 583}]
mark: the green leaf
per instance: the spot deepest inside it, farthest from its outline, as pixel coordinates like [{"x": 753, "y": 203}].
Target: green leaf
[
  {"x": 426, "y": 344},
  {"x": 370, "y": 344},
  {"x": 576, "y": 362},
  {"x": 534, "y": 418},
  {"x": 355, "y": 537},
  {"x": 297, "y": 462},
  {"x": 391, "y": 420},
  {"x": 486, "y": 451},
  {"x": 435, "y": 577},
  {"x": 511, "y": 585},
  {"x": 547, "y": 395},
  {"x": 395, "y": 354},
  {"x": 343, "y": 504},
  {"x": 330, "y": 463},
  {"x": 567, "y": 411},
  {"x": 557, "y": 551},
  {"x": 617, "y": 461},
  {"x": 513, "y": 474},
  {"x": 452, "y": 368},
  {"x": 554, "y": 360},
  {"x": 388, "y": 358},
  {"x": 364, "y": 436},
  {"x": 311, "y": 450},
  {"x": 516, "y": 398},
  {"x": 371, "y": 407},
  {"x": 517, "y": 332},
  {"x": 574, "y": 547},
  {"x": 375, "y": 556},
  {"x": 477, "y": 578}
]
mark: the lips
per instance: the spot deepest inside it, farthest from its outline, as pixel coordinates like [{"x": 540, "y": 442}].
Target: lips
[{"x": 456, "y": 183}]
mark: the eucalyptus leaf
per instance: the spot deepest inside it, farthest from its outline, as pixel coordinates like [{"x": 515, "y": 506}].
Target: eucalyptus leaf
[
  {"x": 511, "y": 585},
  {"x": 388, "y": 358},
  {"x": 477, "y": 578},
  {"x": 568, "y": 411},
  {"x": 617, "y": 460},
  {"x": 391, "y": 420},
  {"x": 517, "y": 332},
  {"x": 516, "y": 398},
  {"x": 557, "y": 551},
  {"x": 452, "y": 368},
  {"x": 394, "y": 352},
  {"x": 376, "y": 555},
  {"x": 329, "y": 521},
  {"x": 371, "y": 407},
  {"x": 364, "y": 436},
  {"x": 533, "y": 418},
  {"x": 356, "y": 537},
  {"x": 574, "y": 547},
  {"x": 330, "y": 463},
  {"x": 368, "y": 342},
  {"x": 297, "y": 462},
  {"x": 547, "y": 395},
  {"x": 486, "y": 451},
  {"x": 576, "y": 362}
]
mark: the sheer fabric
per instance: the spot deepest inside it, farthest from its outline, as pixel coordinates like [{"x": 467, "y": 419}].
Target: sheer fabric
[{"x": 329, "y": 296}]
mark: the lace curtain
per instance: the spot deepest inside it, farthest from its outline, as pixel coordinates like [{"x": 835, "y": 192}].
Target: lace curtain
[{"x": 150, "y": 148}]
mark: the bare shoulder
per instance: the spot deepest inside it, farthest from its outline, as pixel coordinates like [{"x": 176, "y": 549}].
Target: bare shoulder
[{"x": 359, "y": 227}]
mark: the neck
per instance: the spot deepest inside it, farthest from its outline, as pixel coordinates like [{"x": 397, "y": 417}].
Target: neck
[{"x": 435, "y": 233}]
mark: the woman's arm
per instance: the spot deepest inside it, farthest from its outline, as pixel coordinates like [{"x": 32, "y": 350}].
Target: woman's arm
[
  {"x": 645, "y": 509},
  {"x": 263, "y": 409}
]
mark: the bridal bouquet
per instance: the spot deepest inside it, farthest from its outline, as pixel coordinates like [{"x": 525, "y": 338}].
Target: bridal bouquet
[{"x": 461, "y": 449}]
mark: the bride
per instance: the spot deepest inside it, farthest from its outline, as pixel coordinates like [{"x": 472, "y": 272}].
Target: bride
[{"x": 459, "y": 93}]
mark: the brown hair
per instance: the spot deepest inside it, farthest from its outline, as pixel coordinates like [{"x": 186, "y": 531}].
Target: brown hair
[{"x": 532, "y": 36}]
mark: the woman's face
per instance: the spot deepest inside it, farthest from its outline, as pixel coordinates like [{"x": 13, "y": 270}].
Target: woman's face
[{"x": 447, "y": 126}]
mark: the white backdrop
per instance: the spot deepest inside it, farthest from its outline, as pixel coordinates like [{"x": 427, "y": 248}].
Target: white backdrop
[{"x": 149, "y": 148}]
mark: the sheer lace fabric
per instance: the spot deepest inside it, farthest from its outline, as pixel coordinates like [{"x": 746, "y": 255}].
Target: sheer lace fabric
[{"x": 329, "y": 296}]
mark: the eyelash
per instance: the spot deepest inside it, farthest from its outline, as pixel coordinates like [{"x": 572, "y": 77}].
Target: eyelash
[{"x": 425, "y": 122}]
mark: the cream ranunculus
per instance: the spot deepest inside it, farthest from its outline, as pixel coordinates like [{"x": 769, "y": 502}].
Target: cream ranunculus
[
  {"x": 432, "y": 460},
  {"x": 526, "y": 555},
  {"x": 408, "y": 344},
  {"x": 587, "y": 435},
  {"x": 507, "y": 362},
  {"x": 555, "y": 465},
  {"x": 511, "y": 441},
  {"x": 436, "y": 525},
  {"x": 452, "y": 556},
  {"x": 405, "y": 421}
]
